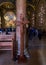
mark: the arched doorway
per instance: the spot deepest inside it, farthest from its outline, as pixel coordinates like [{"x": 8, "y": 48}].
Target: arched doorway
[
  {"x": 7, "y": 10},
  {"x": 7, "y": 22}
]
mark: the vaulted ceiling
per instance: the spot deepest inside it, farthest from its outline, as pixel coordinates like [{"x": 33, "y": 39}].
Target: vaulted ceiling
[{"x": 13, "y": 1}]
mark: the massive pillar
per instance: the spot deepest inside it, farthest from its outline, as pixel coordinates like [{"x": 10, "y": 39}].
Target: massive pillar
[
  {"x": 20, "y": 24},
  {"x": 20, "y": 8}
]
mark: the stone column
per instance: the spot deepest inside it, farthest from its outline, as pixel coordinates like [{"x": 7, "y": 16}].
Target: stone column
[
  {"x": 2, "y": 20},
  {"x": 20, "y": 13}
]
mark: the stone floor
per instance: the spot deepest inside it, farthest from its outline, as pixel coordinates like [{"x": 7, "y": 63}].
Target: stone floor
[
  {"x": 6, "y": 59},
  {"x": 37, "y": 52}
]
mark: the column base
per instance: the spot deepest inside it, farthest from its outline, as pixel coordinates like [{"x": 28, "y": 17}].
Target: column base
[
  {"x": 14, "y": 59},
  {"x": 22, "y": 59}
]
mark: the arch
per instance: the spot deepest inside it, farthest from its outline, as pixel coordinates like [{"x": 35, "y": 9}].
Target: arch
[
  {"x": 4, "y": 8},
  {"x": 8, "y": 5},
  {"x": 31, "y": 6}
]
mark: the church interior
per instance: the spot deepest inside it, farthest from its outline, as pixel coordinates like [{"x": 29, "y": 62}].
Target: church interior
[{"x": 22, "y": 32}]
